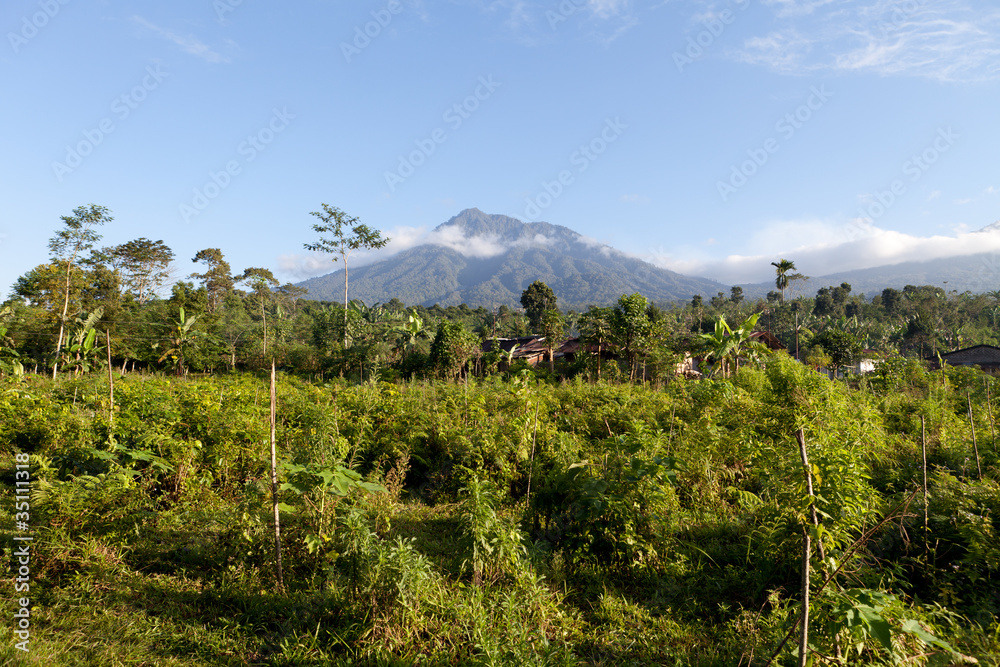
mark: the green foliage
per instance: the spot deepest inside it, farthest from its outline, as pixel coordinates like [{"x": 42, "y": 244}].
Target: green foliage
[
  {"x": 495, "y": 545},
  {"x": 842, "y": 346},
  {"x": 452, "y": 349},
  {"x": 538, "y": 300},
  {"x": 613, "y": 511}
]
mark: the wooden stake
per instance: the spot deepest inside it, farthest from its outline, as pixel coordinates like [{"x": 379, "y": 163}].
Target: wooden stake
[
  {"x": 975, "y": 445},
  {"x": 531, "y": 468},
  {"x": 923, "y": 448},
  {"x": 989, "y": 409},
  {"x": 274, "y": 484},
  {"x": 111, "y": 381},
  {"x": 806, "y": 552}
]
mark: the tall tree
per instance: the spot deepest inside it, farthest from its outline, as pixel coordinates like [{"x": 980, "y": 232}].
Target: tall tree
[
  {"x": 631, "y": 326},
  {"x": 66, "y": 246},
  {"x": 261, "y": 281},
  {"x": 781, "y": 269},
  {"x": 144, "y": 266},
  {"x": 595, "y": 329},
  {"x": 217, "y": 279},
  {"x": 347, "y": 234},
  {"x": 553, "y": 328},
  {"x": 537, "y": 299}
]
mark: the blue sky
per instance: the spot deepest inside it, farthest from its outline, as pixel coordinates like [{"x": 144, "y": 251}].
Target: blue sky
[{"x": 707, "y": 137}]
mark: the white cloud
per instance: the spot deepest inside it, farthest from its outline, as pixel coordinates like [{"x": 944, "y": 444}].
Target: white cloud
[
  {"x": 307, "y": 265},
  {"x": 187, "y": 44},
  {"x": 822, "y": 247}
]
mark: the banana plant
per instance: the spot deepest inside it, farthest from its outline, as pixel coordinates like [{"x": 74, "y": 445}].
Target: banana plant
[
  {"x": 80, "y": 354},
  {"x": 182, "y": 338},
  {"x": 9, "y": 364},
  {"x": 726, "y": 345}
]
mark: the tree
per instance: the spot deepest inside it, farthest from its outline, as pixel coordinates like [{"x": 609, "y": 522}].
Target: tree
[
  {"x": 261, "y": 281},
  {"x": 66, "y": 246},
  {"x": 537, "y": 299},
  {"x": 217, "y": 279},
  {"x": 452, "y": 348},
  {"x": 553, "y": 327},
  {"x": 348, "y": 234},
  {"x": 892, "y": 299},
  {"x": 631, "y": 326},
  {"x": 595, "y": 329},
  {"x": 736, "y": 294},
  {"x": 144, "y": 265},
  {"x": 781, "y": 281},
  {"x": 842, "y": 346}
]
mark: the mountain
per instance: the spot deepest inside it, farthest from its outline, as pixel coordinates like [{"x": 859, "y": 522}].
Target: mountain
[
  {"x": 488, "y": 260},
  {"x": 967, "y": 273}
]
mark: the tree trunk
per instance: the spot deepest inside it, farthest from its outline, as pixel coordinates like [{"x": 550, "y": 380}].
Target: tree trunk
[
  {"x": 62, "y": 321},
  {"x": 274, "y": 484},
  {"x": 806, "y": 552}
]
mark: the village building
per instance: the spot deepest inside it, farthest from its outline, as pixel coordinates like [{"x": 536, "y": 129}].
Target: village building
[{"x": 987, "y": 357}]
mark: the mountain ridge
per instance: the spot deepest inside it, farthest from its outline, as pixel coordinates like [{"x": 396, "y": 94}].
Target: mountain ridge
[{"x": 482, "y": 259}]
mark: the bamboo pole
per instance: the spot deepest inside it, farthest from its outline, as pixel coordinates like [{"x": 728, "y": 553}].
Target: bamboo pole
[
  {"x": 923, "y": 449},
  {"x": 975, "y": 444},
  {"x": 989, "y": 409},
  {"x": 806, "y": 552},
  {"x": 274, "y": 484},
  {"x": 111, "y": 382}
]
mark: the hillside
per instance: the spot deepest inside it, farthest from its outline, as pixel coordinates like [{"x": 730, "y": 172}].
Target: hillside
[
  {"x": 488, "y": 260},
  {"x": 973, "y": 273}
]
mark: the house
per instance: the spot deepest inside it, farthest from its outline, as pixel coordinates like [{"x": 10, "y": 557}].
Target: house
[
  {"x": 769, "y": 339},
  {"x": 532, "y": 349},
  {"x": 987, "y": 357}
]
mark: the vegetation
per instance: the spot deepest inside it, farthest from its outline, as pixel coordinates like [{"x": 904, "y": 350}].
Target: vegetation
[
  {"x": 442, "y": 506},
  {"x": 508, "y": 521}
]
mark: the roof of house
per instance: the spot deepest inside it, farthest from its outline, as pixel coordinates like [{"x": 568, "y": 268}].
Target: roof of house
[
  {"x": 975, "y": 355},
  {"x": 769, "y": 339}
]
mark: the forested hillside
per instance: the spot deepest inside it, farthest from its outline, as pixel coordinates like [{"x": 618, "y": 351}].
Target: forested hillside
[{"x": 487, "y": 261}]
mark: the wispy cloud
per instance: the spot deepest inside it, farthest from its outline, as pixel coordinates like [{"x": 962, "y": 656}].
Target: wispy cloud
[
  {"x": 536, "y": 20},
  {"x": 188, "y": 45},
  {"x": 945, "y": 40}
]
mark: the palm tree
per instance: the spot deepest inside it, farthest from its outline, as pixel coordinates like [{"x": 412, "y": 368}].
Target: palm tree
[{"x": 782, "y": 269}]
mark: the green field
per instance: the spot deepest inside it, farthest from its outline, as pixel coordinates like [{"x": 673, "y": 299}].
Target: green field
[{"x": 507, "y": 521}]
